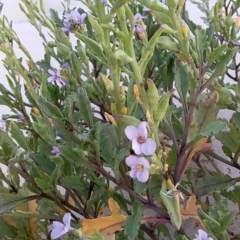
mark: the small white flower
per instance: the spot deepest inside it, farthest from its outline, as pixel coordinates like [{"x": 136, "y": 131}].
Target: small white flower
[{"x": 202, "y": 235}]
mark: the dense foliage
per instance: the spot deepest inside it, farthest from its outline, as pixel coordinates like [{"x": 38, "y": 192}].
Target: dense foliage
[{"x": 121, "y": 113}]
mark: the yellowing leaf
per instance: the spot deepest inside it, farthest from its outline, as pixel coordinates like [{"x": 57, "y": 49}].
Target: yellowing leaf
[
  {"x": 106, "y": 226},
  {"x": 191, "y": 210}
]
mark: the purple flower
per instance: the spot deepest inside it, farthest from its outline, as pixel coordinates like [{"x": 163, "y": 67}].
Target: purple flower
[
  {"x": 56, "y": 151},
  {"x": 138, "y": 29},
  {"x": 140, "y": 141},
  {"x": 146, "y": 9},
  {"x": 66, "y": 27},
  {"x": 20, "y": 117},
  {"x": 56, "y": 78},
  {"x": 138, "y": 17},
  {"x": 59, "y": 229},
  {"x": 202, "y": 235},
  {"x": 2, "y": 124},
  {"x": 139, "y": 167},
  {"x": 75, "y": 16},
  {"x": 103, "y": 1}
]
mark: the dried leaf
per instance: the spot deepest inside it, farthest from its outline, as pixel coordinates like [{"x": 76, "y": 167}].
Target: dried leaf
[
  {"x": 191, "y": 210},
  {"x": 106, "y": 226}
]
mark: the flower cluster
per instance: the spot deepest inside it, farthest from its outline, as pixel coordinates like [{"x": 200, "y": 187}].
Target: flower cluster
[
  {"x": 141, "y": 144},
  {"x": 74, "y": 17}
]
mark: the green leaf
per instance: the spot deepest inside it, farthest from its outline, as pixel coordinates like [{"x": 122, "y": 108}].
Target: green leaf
[
  {"x": 72, "y": 182},
  {"x": 213, "y": 182},
  {"x": 203, "y": 116},
  {"x": 93, "y": 45},
  {"x": 201, "y": 42},
  {"x": 50, "y": 109},
  {"x": 226, "y": 220},
  {"x": 233, "y": 195},
  {"x": 10, "y": 201},
  {"x": 236, "y": 120},
  {"x": 224, "y": 60},
  {"x": 43, "y": 162},
  {"x": 55, "y": 175},
  {"x": 85, "y": 108},
  {"x": 132, "y": 225},
  {"x": 106, "y": 147},
  {"x": 230, "y": 139},
  {"x": 110, "y": 131},
  {"x": 18, "y": 136},
  {"x": 140, "y": 187},
  {"x": 42, "y": 184},
  {"x": 7, "y": 231}
]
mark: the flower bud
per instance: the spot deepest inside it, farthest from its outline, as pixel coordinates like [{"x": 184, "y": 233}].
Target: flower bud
[
  {"x": 185, "y": 30},
  {"x": 110, "y": 118},
  {"x": 108, "y": 84},
  {"x": 113, "y": 108},
  {"x": 180, "y": 5},
  {"x": 51, "y": 44},
  {"x": 153, "y": 95},
  {"x": 136, "y": 91},
  {"x": 124, "y": 111},
  {"x": 36, "y": 111}
]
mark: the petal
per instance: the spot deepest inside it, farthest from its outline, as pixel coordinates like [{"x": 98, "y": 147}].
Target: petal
[
  {"x": 131, "y": 160},
  {"x": 143, "y": 161},
  {"x": 133, "y": 173},
  {"x": 136, "y": 146},
  {"x": 142, "y": 129},
  {"x": 131, "y": 132},
  {"x": 202, "y": 234},
  {"x": 149, "y": 147},
  {"x": 57, "y": 224},
  {"x": 142, "y": 176},
  {"x": 51, "y": 72},
  {"x": 57, "y": 232},
  {"x": 51, "y": 79},
  {"x": 67, "y": 220},
  {"x": 83, "y": 15}
]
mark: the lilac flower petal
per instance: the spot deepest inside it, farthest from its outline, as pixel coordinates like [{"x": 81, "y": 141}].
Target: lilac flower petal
[
  {"x": 136, "y": 146},
  {"x": 131, "y": 160},
  {"x": 57, "y": 224},
  {"x": 142, "y": 176},
  {"x": 143, "y": 161},
  {"x": 64, "y": 29},
  {"x": 138, "y": 28},
  {"x": 148, "y": 147},
  {"x": 57, "y": 232},
  {"x": 142, "y": 129},
  {"x": 51, "y": 79},
  {"x": 133, "y": 173},
  {"x": 82, "y": 17},
  {"x": 51, "y": 72},
  {"x": 202, "y": 234},
  {"x": 131, "y": 132},
  {"x": 67, "y": 219}
]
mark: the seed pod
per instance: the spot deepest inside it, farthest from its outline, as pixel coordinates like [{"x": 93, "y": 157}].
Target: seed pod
[
  {"x": 122, "y": 56},
  {"x": 136, "y": 91},
  {"x": 152, "y": 94},
  {"x": 170, "y": 197},
  {"x": 172, "y": 3},
  {"x": 161, "y": 107},
  {"x": 64, "y": 50},
  {"x": 111, "y": 118},
  {"x": 164, "y": 42},
  {"x": 128, "y": 120}
]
